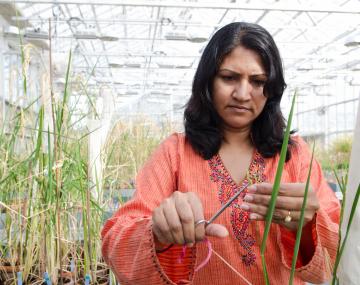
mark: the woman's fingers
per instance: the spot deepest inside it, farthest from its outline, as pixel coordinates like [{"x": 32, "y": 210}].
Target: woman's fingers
[
  {"x": 160, "y": 227},
  {"x": 216, "y": 230},
  {"x": 290, "y": 196},
  {"x": 261, "y": 210},
  {"x": 174, "y": 220},
  {"x": 286, "y": 189},
  {"x": 186, "y": 216},
  {"x": 288, "y": 203},
  {"x": 293, "y": 225},
  {"x": 198, "y": 213},
  {"x": 160, "y": 237},
  {"x": 282, "y": 202}
]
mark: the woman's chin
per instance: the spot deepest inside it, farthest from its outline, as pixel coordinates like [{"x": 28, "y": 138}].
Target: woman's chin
[{"x": 237, "y": 125}]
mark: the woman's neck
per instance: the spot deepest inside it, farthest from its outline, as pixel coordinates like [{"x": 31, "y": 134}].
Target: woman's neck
[{"x": 237, "y": 137}]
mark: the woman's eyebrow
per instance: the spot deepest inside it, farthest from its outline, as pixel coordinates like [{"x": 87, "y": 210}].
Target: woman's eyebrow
[
  {"x": 234, "y": 72},
  {"x": 229, "y": 70},
  {"x": 260, "y": 74}
]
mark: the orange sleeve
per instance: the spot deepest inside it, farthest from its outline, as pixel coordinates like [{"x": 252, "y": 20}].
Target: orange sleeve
[
  {"x": 325, "y": 224},
  {"x": 127, "y": 239}
]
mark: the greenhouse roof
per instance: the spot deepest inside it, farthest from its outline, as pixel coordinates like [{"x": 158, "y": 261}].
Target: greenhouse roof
[{"x": 149, "y": 50}]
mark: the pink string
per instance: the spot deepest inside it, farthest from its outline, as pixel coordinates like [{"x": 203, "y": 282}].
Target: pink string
[
  {"x": 182, "y": 255},
  {"x": 205, "y": 261}
]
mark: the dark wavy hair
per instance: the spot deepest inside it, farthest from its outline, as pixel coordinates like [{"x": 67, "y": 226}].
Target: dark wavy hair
[{"x": 202, "y": 122}]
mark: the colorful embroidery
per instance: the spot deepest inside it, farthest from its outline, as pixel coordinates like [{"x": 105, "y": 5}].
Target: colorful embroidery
[{"x": 227, "y": 188}]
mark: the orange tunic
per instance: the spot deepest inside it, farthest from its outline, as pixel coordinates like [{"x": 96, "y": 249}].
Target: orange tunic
[{"x": 128, "y": 243}]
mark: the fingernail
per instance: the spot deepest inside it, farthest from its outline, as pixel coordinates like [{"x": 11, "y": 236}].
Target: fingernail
[
  {"x": 245, "y": 207},
  {"x": 253, "y": 216},
  {"x": 190, "y": 244},
  {"x": 249, "y": 198},
  {"x": 252, "y": 188}
]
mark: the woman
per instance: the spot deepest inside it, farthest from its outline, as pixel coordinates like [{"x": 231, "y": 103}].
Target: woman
[{"x": 233, "y": 134}]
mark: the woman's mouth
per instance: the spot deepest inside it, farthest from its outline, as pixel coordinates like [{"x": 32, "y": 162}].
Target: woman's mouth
[{"x": 238, "y": 108}]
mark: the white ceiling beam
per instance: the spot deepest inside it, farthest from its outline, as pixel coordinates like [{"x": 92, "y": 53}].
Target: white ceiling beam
[
  {"x": 126, "y": 55},
  {"x": 125, "y": 39},
  {"x": 291, "y": 7},
  {"x": 304, "y": 56},
  {"x": 124, "y": 21}
]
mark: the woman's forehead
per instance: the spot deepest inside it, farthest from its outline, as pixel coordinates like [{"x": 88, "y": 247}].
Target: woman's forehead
[{"x": 241, "y": 59}]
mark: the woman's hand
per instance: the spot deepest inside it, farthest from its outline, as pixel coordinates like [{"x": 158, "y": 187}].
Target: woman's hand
[
  {"x": 174, "y": 220},
  {"x": 288, "y": 203}
]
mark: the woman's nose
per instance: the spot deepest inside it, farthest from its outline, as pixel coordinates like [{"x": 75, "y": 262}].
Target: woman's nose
[{"x": 242, "y": 90}]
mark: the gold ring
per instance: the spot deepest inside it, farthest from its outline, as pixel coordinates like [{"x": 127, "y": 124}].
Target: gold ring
[{"x": 288, "y": 218}]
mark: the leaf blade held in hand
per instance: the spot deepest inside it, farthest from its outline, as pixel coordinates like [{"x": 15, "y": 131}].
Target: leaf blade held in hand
[
  {"x": 301, "y": 221},
  {"x": 276, "y": 187}
]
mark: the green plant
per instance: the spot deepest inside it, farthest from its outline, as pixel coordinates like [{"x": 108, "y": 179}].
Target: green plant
[
  {"x": 127, "y": 149},
  {"x": 336, "y": 155},
  {"x": 301, "y": 221},
  {"x": 339, "y": 152},
  {"x": 276, "y": 187},
  {"x": 342, "y": 241},
  {"x": 51, "y": 217}
]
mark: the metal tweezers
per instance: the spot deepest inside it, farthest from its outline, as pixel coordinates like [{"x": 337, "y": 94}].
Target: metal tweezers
[{"x": 222, "y": 209}]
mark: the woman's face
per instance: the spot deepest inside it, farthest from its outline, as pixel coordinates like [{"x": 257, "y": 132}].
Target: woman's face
[{"x": 238, "y": 88}]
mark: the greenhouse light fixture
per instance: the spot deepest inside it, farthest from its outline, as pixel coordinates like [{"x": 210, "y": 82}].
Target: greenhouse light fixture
[
  {"x": 132, "y": 65},
  {"x": 85, "y": 35},
  {"x": 176, "y": 36},
  {"x": 116, "y": 65},
  {"x": 165, "y": 65},
  {"x": 172, "y": 66},
  {"x": 169, "y": 82},
  {"x": 323, "y": 94},
  {"x": 193, "y": 38},
  {"x": 183, "y": 36},
  {"x": 36, "y": 33},
  {"x": 353, "y": 41},
  {"x": 183, "y": 66},
  {"x": 108, "y": 38},
  {"x": 159, "y": 93}
]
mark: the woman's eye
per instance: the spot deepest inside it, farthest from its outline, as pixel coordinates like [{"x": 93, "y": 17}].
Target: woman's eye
[
  {"x": 228, "y": 77},
  {"x": 259, "y": 83}
]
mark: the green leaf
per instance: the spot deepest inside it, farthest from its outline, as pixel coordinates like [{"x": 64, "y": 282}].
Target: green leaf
[
  {"x": 276, "y": 187},
  {"x": 352, "y": 213},
  {"x": 60, "y": 117},
  {"x": 301, "y": 221}
]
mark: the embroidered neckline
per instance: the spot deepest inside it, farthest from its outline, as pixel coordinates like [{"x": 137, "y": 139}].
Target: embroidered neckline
[
  {"x": 226, "y": 172},
  {"x": 227, "y": 187}
]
